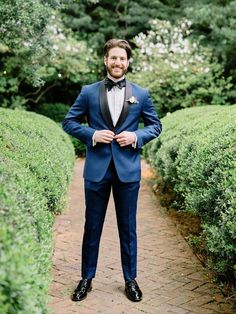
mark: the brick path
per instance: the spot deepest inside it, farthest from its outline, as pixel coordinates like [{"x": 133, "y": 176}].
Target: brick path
[{"x": 170, "y": 276}]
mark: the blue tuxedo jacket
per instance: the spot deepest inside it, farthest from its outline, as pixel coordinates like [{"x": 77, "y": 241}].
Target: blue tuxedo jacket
[{"x": 92, "y": 104}]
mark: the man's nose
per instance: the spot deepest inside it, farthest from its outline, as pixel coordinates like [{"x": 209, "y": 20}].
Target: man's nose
[{"x": 118, "y": 61}]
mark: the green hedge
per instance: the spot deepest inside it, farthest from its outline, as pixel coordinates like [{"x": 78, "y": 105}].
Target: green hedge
[
  {"x": 36, "y": 161},
  {"x": 57, "y": 112},
  {"x": 196, "y": 157}
]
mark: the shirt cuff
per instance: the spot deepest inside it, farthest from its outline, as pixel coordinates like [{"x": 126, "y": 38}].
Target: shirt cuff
[
  {"x": 93, "y": 140},
  {"x": 135, "y": 141}
]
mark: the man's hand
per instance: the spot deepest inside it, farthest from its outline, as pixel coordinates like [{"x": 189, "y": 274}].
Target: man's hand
[
  {"x": 104, "y": 136},
  {"x": 125, "y": 138}
]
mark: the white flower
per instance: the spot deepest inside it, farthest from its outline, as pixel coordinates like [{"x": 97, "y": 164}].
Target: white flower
[
  {"x": 133, "y": 100},
  {"x": 174, "y": 65}
]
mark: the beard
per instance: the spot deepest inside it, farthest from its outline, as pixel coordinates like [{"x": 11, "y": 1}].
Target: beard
[{"x": 116, "y": 72}]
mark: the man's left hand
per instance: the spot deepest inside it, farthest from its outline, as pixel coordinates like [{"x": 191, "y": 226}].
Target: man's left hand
[{"x": 125, "y": 138}]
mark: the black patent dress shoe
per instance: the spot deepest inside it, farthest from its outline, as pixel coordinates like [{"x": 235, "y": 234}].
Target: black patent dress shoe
[
  {"x": 132, "y": 291},
  {"x": 80, "y": 293}
]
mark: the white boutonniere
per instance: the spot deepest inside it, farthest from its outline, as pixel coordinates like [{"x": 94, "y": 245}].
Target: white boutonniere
[{"x": 133, "y": 100}]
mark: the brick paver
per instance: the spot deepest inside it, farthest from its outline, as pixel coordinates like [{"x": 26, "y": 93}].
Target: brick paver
[{"x": 170, "y": 276}]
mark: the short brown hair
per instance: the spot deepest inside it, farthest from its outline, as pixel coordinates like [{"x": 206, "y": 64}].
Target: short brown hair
[{"x": 121, "y": 43}]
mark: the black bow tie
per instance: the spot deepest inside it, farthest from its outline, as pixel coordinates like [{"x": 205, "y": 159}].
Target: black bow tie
[{"x": 109, "y": 83}]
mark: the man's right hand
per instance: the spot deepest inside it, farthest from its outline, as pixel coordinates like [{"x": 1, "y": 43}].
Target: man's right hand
[{"x": 103, "y": 136}]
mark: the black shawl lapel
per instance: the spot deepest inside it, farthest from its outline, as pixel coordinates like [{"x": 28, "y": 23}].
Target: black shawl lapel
[
  {"x": 104, "y": 106},
  {"x": 126, "y": 106}
]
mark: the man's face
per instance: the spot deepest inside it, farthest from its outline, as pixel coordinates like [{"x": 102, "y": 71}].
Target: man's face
[{"x": 116, "y": 62}]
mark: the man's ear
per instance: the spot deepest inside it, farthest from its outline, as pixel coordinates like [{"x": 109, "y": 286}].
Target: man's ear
[{"x": 105, "y": 60}]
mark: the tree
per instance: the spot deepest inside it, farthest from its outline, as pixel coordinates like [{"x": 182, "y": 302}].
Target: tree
[
  {"x": 23, "y": 42},
  {"x": 100, "y": 20},
  {"x": 215, "y": 25},
  {"x": 38, "y": 54}
]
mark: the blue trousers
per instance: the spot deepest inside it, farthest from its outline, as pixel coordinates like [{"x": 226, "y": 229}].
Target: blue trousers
[{"x": 96, "y": 199}]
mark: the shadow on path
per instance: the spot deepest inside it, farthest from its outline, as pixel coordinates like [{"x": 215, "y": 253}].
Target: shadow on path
[{"x": 170, "y": 276}]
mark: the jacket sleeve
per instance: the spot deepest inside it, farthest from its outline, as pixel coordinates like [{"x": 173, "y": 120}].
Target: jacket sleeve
[
  {"x": 152, "y": 124},
  {"x": 72, "y": 124}
]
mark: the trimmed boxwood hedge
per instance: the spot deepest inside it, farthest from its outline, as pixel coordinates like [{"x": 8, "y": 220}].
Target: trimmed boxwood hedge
[
  {"x": 57, "y": 112},
  {"x": 36, "y": 162},
  {"x": 196, "y": 157}
]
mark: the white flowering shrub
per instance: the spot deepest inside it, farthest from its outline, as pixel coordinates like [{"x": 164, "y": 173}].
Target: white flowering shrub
[
  {"x": 178, "y": 72},
  {"x": 71, "y": 60}
]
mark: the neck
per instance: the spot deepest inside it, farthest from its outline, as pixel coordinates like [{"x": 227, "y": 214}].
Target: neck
[{"x": 115, "y": 79}]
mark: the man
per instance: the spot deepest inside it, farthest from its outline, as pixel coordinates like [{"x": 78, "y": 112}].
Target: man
[{"x": 112, "y": 108}]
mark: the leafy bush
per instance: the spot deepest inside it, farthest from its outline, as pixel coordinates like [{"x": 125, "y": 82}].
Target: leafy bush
[
  {"x": 36, "y": 160},
  {"x": 196, "y": 157},
  {"x": 54, "y": 111}
]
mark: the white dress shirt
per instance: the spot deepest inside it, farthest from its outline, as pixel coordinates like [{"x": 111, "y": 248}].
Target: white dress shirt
[{"x": 115, "y": 99}]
